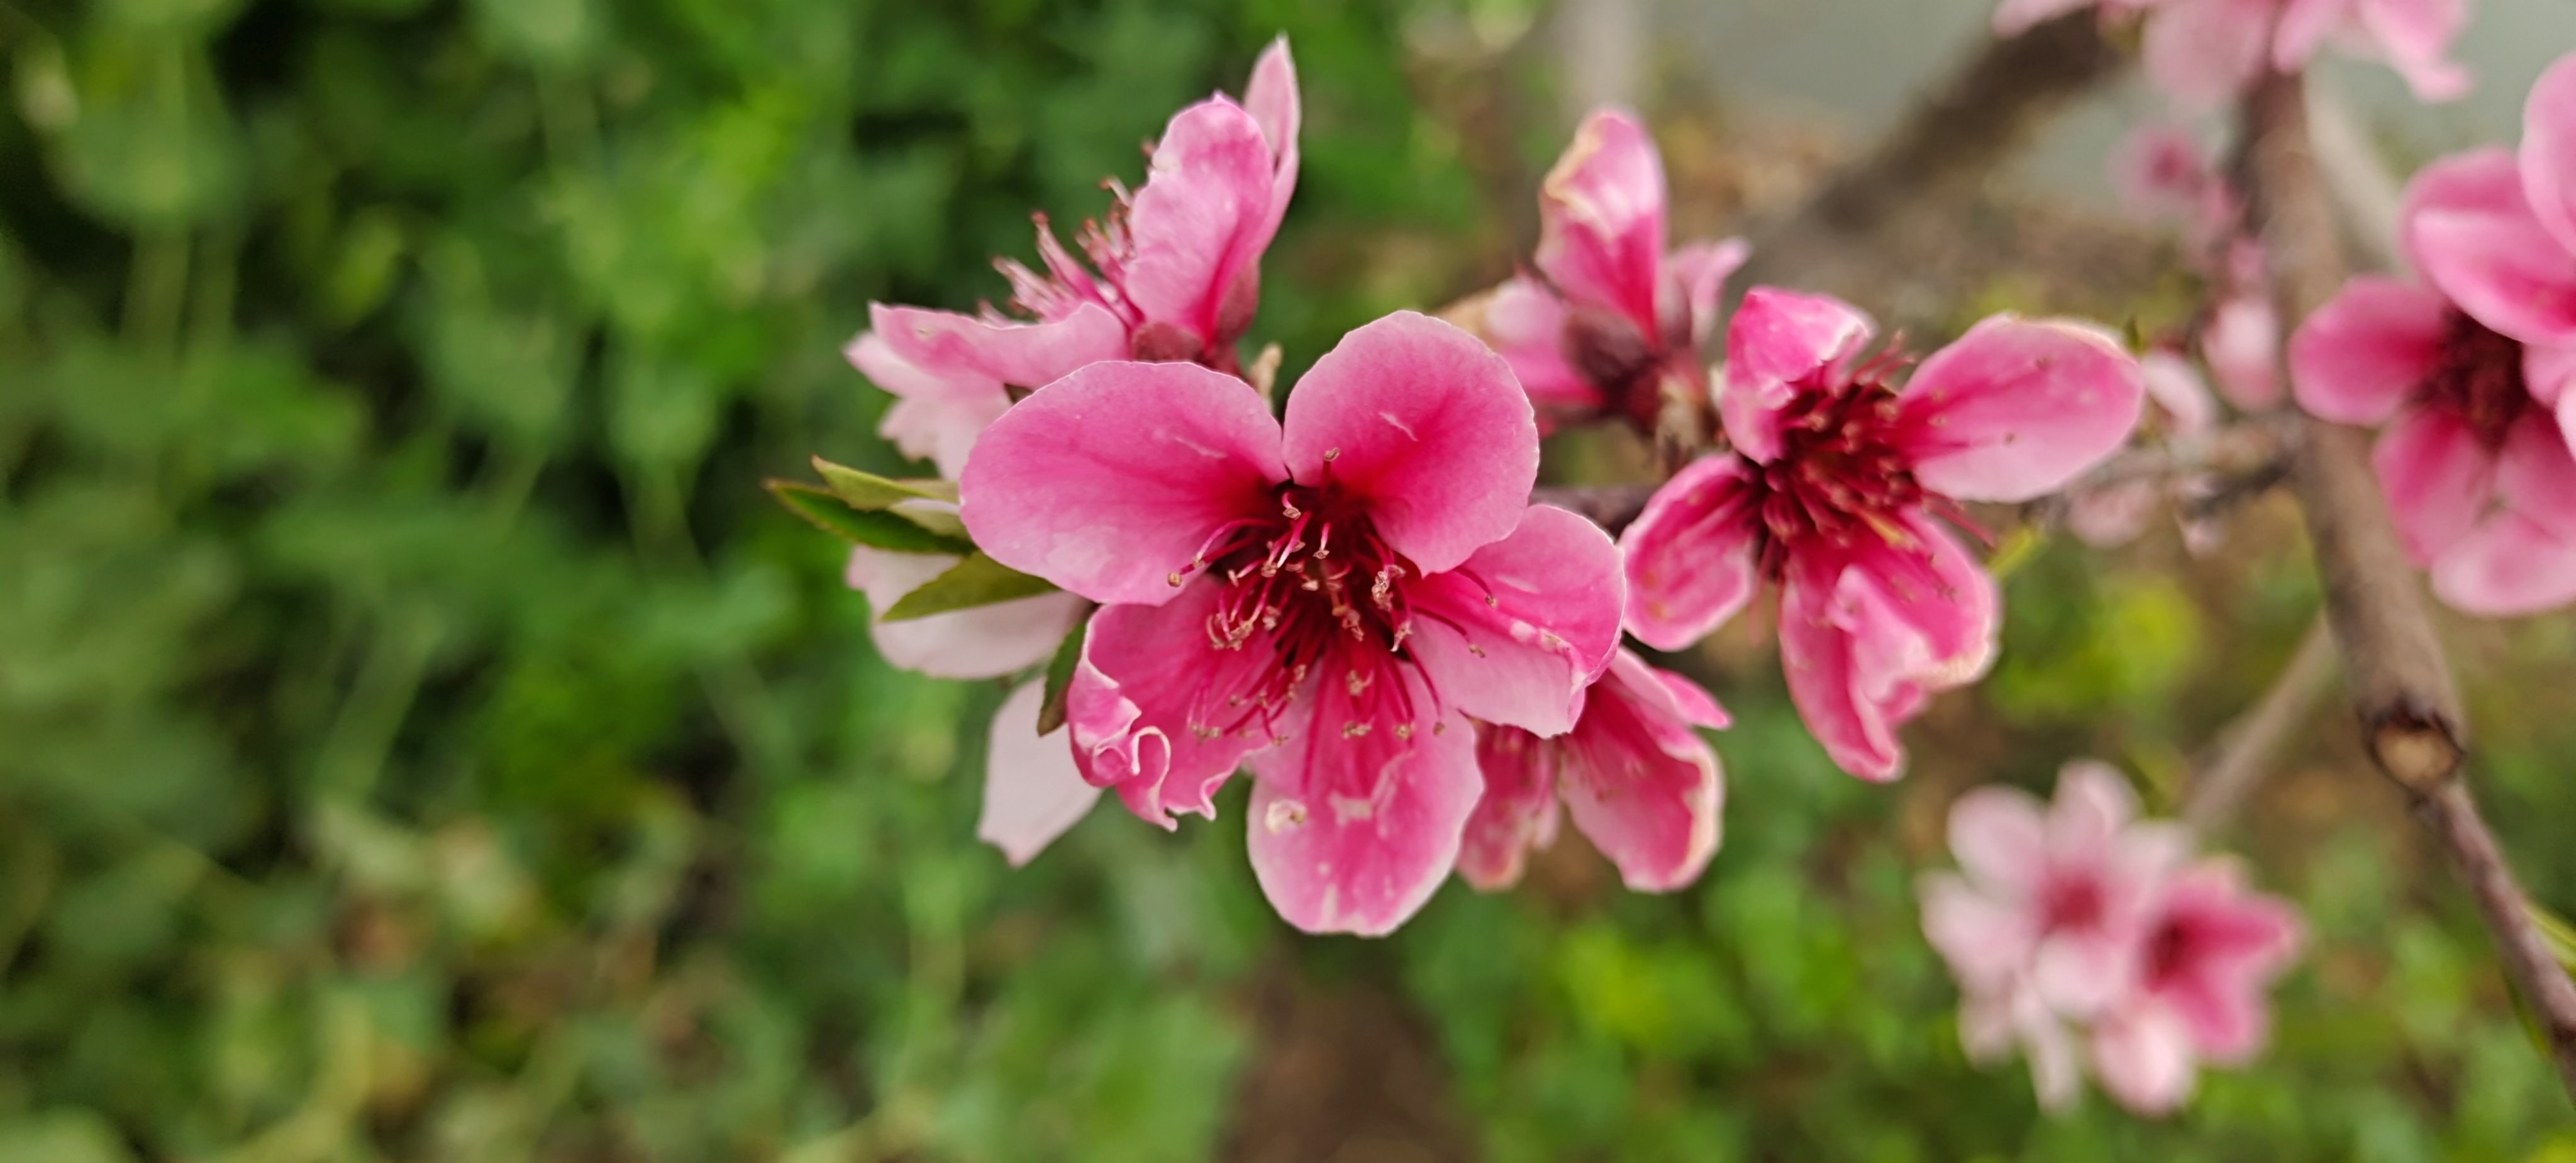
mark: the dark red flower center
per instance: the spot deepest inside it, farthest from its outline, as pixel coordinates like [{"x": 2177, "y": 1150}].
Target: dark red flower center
[
  {"x": 2071, "y": 902},
  {"x": 2478, "y": 379},
  {"x": 1841, "y": 474},
  {"x": 2170, "y": 950}
]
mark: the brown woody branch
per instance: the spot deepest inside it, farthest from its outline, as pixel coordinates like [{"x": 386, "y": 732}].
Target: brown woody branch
[{"x": 2400, "y": 680}]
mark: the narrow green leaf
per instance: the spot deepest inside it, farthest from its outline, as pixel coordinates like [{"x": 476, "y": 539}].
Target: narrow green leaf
[
  {"x": 866, "y": 491},
  {"x": 877, "y": 530},
  {"x": 2561, "y": 935},
  {"x": 976, "y": 581},
  {"x": 1059, "y": 678}
]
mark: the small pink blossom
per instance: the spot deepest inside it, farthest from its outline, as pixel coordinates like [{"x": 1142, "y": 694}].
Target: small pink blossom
[
  {"x": 1610, "y": 318},
  {"x": 2162, "y": 172},
  {"x": 1033, "y": 790},
  {"x": 1174, "y": 274},
  {"x": 2115, "y": 513},
  {"x": 1837, "y": 489},
  {"x": 2199, "y": 991},
  {"x": 1640, "y": 782},
  {"x": 2204, "y": 52},
  {"x": 1329, "y": 597},
  {"x": 2461, "y": 378}
]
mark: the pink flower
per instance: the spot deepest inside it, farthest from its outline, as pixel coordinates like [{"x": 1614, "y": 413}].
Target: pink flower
[
  {"x": 1175, "y": 274},
  {"x": 1033, "y": 790},
  {"x": 2198, "y": 993},
  {"x": 2207, "y": 51},
  {"x": 1614, "y": 318},
  {"x": 1639, "y": 781},
  {"x": 1330, "y": 597},
  {"x": 2161, "y": 171},
  {"x": 1833, "y": 491},
  {"x": 2476, "y": 471},
  {"x": 2048, "y": 922},
  {"x": 2116, "y": 512}
]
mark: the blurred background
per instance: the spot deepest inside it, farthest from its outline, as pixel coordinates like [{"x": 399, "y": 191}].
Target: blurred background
[{"x": 420, "y": 739}]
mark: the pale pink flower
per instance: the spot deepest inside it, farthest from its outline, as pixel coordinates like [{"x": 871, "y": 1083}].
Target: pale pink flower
[
  {"x": 2476, "y": 471},
  {"x": 1640, "y": 782},
  {"x": 1836, "y": 490},
  {"x": 2199, "y": 990},
  {"x": 1174, "y": 274},
  {"x": 2049, "y": 916},
  {"x": 979, "y": 642},
  {"x": 2204, "y": 52},
  {"x": 2162, "y": 172},
  {"x": 1610, "y": 318},
  {"x": 1330, "y": 597}
]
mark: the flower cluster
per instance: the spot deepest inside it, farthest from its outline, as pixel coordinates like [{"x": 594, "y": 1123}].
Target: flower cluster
[
  {"x": 2206, "y": 51},
  {"x": 2088, "y": 937},
  {"x": 2468, "y": 376}
]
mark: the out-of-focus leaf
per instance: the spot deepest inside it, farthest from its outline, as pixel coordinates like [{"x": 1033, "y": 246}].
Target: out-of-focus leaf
[
  {"x": 976, "y": 581},
  {"x": 877, "y": 529},
  {"x": 61, "y": 1136}
]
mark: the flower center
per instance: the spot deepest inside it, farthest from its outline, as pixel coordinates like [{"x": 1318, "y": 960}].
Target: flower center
[
  {"x": 1317, "y": 587},
  {"x": 2478, "y": 379},
  {"x": 1840, "y": 474},
  {"x": 2169, "y": 948},
  {"x": 2071, "y": 903}
]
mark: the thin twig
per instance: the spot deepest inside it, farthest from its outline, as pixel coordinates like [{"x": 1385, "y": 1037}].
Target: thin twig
[
  {"x": 2400, "y": 680},
  {"x": 2249, "y": 749}
]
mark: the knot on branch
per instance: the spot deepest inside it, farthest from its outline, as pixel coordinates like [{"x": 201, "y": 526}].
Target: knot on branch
[{"x": 2416, "y": 745}]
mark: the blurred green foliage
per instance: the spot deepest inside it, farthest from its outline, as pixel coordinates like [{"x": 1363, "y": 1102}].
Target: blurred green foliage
[{"x": 420, "y": 738}]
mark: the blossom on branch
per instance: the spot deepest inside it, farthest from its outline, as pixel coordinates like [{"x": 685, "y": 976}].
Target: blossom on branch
[
  {"x": 1637, "y": 777},
  {"x": 1611, "y": 323},
  {"x": 1837, "y": 490},
  {"x": 1329, "y": 597},
  {"x": 2204, "y": 52}
]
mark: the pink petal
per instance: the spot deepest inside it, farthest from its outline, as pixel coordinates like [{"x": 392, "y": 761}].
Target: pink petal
[
  {"x": 2547, "y": 161},
  {"x": 1021, "y": 355},
  {"x": 1418, "y": 420},
  {"x": 1032, "y": 789},
  {"x": 1864, "y": 642},
  {"x": 1776, "y": 339},
  {"x": 1698, "y": 271},
  {"x": 1202, "y": 218},
  {"x": 1987, "y": 942},
  {"x": 1150, "y": 706},
  {"x": 2303, "y": 29},
  {"x": 1849, "y": 716},
  {"x": 934, "y": 417},
  {"x": 1690, "y": 554},
  {"x": 1271, "y": 99},
  {"x": 2472, "y": 235},
  {"x": 2510, "y": 565},
  {"x": 2145, "y": 1060},
  {"x": 2204, "y": 52},
  {"x": 1639, "y": 781},
  {"x": 2415, "y": 36},
  {"x": 1515, "y": 634},
  {"x": 1525, "y": 324},
  {"x": 2437, "y": 479},
  {"x": 1692, "y": 702},
  {"x": 983, "y": 642},
  {"x": 2016, "y": 408},
  {"x": 1601, "y": 218},
  {"x": 2094, "y": 804},
  {"x": 1517, "y": 814},
  {"x": 2242, "y": 342},
  {"x": 1109, "y": 482},
  {"x": 1358, "y": 817},
  {"x": 1997, "y": 835},
  {"x": 2536, "y": 475},
  {"x": 2189, "y": 408},
  {"x": 2354, "y": 360},
  {"x": 2015, "y": 17},
  {"x": 2547, "y": 371},
  {"x": 2160, "y": 171}
]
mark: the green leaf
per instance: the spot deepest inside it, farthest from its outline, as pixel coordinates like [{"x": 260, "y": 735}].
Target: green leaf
[
  {"x": 868, "y": 491},
  {"x": 1059, "y": 678},
  {"x": 977, "y": 581},
  {"x": 2560, "y": 934},
  {"x": 876, "y": 530}
]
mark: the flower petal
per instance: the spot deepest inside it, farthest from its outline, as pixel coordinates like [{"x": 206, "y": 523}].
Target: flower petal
[
  {"x": 1109, "y": 482},
  {"x": 2145, "y": 1060},
  {"x": 2471, "y": 234},
  {"x": 2437, "y": 479},
  {"x": 1690, "y": 554},
  {"x": 1697, "y": 273},
  {"x": 1866, "y": 639},
  {"x": 1424, "y": 424},
  {"x": 1601, "y": 218},
  {"x": 2547, "y": 160},
  {"x": 2415, "y": 37},
  {"x": 2242, "y": 342},
  {"x": 1776, "y": 339},
  {"x": 1202, "y": 218},
  {"x": 2016, "y": 408},
  {"x": 2354, "y": 360},
  {"x": 1639, "y": 781},
  {"x": 1999, "y": 836},
  {"x": 1151, "y": 705},
  {"x": 2536, "y": 475},
  {"x": 1515, "y": 634},
  {"x": 982, "y": 642},
  {"x": 1033, "y": 791},
  {"x": 1517, "y": 814},
  {"x": 1986, "y": 941},
  {"x": 2548, "y": 371},
  {"x": 2203, "y": 52},
  {"x": 2177, "y": 389},
  {"x": 1525, "y": 323},
  {"x": 1359, "y": 816},
  {"x": 2508, "y": 566},
  {"x": 934, "y": 417}
]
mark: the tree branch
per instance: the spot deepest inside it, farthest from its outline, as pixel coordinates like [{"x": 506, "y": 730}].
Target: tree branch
[
  {"x": 2400, "y": 681},
  {"x": 1611, "y": 507}
]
